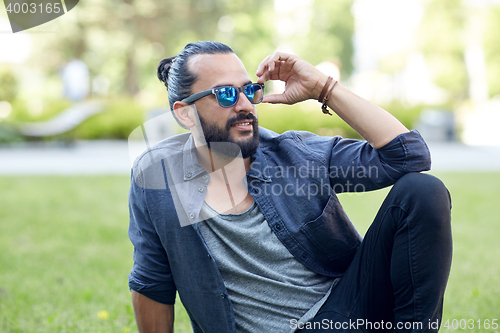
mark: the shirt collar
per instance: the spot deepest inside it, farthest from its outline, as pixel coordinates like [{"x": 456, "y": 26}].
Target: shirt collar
[
  {"x": 259, "y": 168},
  {"x": 190, "y": 163}
]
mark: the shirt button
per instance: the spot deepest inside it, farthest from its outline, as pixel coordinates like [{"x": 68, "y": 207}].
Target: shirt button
[
  {"x": 205, "y": 176},
  {"x": 200, "y": 189},
  {"x": 189, "y": 175},
  {"x": 222, "y": 295},
  {"x": 278, "y": 226},
  {"x": 191, "y": 215}
]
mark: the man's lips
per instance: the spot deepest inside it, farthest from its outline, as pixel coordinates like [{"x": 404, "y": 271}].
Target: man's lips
[{"x": 243, "y": 125}]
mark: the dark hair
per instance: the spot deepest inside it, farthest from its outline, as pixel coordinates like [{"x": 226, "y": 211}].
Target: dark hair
[{"x": 175, "y": 74}]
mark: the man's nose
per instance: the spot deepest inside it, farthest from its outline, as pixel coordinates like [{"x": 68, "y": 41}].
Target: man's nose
[{"x": 243, "y": 104}]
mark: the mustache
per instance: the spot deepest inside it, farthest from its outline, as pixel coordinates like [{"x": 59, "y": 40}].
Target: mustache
[{"x": 240, "y": 117}]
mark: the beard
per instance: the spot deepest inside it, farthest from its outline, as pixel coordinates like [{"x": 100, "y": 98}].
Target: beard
[{"x": 219, "y": 140}]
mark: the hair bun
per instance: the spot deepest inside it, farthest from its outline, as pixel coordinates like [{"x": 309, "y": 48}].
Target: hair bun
[{"x": 164, "y": 69}]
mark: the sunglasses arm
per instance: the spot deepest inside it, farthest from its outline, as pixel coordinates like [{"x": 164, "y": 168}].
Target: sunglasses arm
[{"x": 197, "y": 96}]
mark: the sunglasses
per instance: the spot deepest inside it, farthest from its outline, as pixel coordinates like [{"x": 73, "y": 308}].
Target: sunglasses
[{"x": 228, "y": 96}]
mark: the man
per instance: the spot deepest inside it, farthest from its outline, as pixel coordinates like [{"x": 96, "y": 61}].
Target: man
[{"x": 245, "y": 226}]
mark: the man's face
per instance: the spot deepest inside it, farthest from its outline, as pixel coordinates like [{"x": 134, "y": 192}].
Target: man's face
[{"x": 236, "y": 124}]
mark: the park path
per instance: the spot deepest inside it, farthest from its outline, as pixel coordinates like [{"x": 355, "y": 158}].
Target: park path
[{"x": 112, "y": 157}]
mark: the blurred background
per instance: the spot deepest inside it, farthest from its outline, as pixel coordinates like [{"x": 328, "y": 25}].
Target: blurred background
[
  {"x": 73, "y": 90},
  {"x": 431, "y": 63}
]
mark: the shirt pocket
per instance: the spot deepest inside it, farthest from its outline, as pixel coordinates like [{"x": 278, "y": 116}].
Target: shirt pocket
[{"x": 333, "y": 237}]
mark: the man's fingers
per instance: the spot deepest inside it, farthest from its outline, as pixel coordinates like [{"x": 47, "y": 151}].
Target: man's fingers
[
  {"x": 278, "y": 58},
  {"x": 262, "y": 66},
  {"x": 272, "y": 63},
  {"x": 274, "y": 99},
  {"x": 262, "y": 79},
  {"x": 266, "y": 76}
]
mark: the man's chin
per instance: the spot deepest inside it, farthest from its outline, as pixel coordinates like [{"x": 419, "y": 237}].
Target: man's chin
[
  {"x": 242, "y": 137},
  {"x": 249, "y": 145}
]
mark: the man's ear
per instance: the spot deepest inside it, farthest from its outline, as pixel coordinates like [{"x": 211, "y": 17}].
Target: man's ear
[{"x": 184, "y": 113}]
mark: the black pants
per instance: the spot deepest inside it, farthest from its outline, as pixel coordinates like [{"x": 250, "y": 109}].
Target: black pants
[{"x": 397, "y": 279}]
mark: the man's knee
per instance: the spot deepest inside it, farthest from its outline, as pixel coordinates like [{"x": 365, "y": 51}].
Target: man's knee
[{"x": 424, "y": 191}]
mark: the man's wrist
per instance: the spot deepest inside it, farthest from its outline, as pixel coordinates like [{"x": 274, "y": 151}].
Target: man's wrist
[{"x": 319, "y": 86}]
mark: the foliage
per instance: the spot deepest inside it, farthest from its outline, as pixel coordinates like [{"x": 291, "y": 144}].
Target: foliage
[
  {"x": 330, "y": 36},
  {"x": 22, "y": 111},
  {"x": 250, "y": 37},
  {"x": 281, "y": 118},
  {"x": 125, "y": 40},
  {"x": 492, "y": 49},
  {"x": 8, "y": 85},
  {"x": 121, "y": 116},
  {"x": 408, "y": 115},
  {"x": 65, "y": 260},
  {"x": 442, "y": 43},
  {"x": 9, "y": 134},
  {"x": 308, "y": 117}
]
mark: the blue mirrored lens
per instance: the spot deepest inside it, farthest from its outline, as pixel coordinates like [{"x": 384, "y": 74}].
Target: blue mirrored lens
[
  {"x": 250, "y": 93},
  {"x": 227, "y": 96},
  {"x": 254, "y": 93}
]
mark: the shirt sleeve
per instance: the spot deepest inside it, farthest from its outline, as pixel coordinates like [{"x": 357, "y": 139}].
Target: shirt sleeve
[
  {"x": 150, "y": 274},
  {"x": 355, "y": 166}
]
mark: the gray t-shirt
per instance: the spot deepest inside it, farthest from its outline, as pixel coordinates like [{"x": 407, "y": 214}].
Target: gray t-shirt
[{"x": 267, "y": 286}]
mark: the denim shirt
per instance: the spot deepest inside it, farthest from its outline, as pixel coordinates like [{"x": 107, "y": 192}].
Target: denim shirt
[{"x": 293, "y": 179}]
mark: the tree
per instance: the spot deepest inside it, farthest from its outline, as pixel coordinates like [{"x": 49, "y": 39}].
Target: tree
[
  {"x": 8, "y": 85},
  {"x": 443, "y": 45},
  {"x": 330, "y": 35},
  {"x": 125, "y": 40},
  {"x": 492, "y": 49}
]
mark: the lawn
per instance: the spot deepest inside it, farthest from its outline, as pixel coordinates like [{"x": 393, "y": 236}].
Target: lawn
[{"x": 65, "y": 254}]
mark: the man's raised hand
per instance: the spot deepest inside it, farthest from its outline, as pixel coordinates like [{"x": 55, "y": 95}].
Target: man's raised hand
[{"x": 302, "y": 80}]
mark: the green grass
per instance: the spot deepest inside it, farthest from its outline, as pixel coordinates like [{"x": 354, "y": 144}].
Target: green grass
[{"x": 65, "y": 254}]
